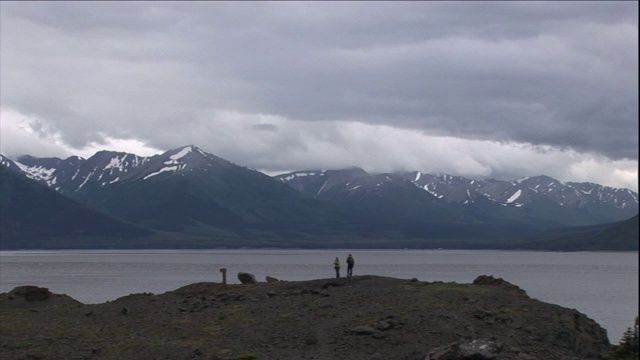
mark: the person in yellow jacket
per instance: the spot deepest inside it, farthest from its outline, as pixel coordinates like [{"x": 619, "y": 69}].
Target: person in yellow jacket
[{"x": 336, "y": 266}]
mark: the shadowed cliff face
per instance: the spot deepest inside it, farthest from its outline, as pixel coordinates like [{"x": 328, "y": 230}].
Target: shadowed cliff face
[{"x": 364, "y": 317}]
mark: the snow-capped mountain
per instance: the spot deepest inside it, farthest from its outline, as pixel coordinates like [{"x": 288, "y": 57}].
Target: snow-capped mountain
[
  {"x": 107, "y": 167},
  {"x": 540, "y": 196},
  {"x": 190, "y": 191},
  {"x": 522, "y": 192},
  {"x": 34, "y": 216},
  {"x": 185, "y": 189},
  {"x": 388, "y": 198}
]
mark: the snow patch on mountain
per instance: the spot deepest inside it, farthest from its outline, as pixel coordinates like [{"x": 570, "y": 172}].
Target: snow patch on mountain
[
  {"x": 40, "y": 173},
  {"x": 514, "y": 197},
  {"x": 432, "y": 192},
  {"x": 86, "y": 179},
  {"x": 4, "y": 161},
  {"x": 116, "y": 163},
  {"x": 182, "y": 153},
  {"x": 322, "y": 188},
  {"x": 165, "y": 169},
  {"x": 301, "y": 174},
  {"x": 202, "y": 152}
]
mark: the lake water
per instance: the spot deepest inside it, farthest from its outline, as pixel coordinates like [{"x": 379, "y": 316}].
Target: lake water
[{"x": 602, "y": 285}]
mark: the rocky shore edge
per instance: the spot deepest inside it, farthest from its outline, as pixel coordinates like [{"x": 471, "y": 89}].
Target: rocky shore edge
[{"x": 363, "y": 317}]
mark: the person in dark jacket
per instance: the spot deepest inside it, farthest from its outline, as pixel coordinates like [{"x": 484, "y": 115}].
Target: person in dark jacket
[{"x": 350, "y": 263}]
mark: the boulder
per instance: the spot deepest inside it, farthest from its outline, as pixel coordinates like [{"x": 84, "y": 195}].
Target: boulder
[
  {"x": 490, "y": 280},
  {"x": 384, "y": 325},
  {"x": 247, "y": 278},
  {"x": 362, "y": 330},
  {"x": 271, "y": 279},
  {"x": 32, "y": 293},
  {"x": 480, "y": 349}
]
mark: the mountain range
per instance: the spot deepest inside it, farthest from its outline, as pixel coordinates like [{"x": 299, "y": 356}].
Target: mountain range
[
  {"x": 188, "y": 197},
  {"x": 33, "y": 216}
]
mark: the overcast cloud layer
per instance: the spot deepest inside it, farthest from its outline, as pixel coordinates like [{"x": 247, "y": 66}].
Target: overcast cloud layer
[{"x": 478, "y": 89}]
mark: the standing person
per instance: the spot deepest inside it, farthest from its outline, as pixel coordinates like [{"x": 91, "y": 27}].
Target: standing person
[
  {"x": 350, "y": 263},
  {"x": 336, "y": 265}
]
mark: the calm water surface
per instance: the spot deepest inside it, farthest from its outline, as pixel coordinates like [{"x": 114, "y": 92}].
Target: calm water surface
[{"x": 602, "y": 285}]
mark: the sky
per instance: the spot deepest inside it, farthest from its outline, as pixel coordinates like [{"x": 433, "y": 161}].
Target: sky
[{"x": 499, "y": 90}]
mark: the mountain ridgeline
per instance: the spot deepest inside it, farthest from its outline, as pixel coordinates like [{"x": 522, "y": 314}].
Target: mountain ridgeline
[
  {"x": 189, "y": 198},
  {"x": 33, "y": 216}
]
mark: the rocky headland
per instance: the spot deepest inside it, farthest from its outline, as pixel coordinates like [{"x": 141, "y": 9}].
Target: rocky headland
[{"x": 363, "y": 317}]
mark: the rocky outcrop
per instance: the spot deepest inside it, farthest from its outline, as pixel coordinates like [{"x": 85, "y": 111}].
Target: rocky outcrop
[
  {"x": 490, "y": 280},
  {"x": 32, "y": 293},
  {"x": 247, "y": 278},
  {"x": 363, "y": 317},
  {"x": 271, "y": 279},
  {"x": 481, "y": 349},
  {"x": 34, "y": 296}
]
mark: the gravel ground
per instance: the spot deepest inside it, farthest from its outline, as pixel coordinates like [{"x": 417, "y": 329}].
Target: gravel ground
[{"x": 364, "y": 317}]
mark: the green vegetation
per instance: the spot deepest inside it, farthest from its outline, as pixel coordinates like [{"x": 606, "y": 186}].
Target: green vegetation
[{"x": 628, "y": 349}]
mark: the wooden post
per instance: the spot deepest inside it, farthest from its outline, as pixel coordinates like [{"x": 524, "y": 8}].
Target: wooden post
[{"x": 224, "y": 275}]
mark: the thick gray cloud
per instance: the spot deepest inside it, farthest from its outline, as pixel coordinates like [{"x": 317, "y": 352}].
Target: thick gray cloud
[{"x": 281, "y": 85}]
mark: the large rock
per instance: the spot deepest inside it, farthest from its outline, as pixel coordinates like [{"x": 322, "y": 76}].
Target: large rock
[
  {"x": 363, "y": 330},
  {"x": 481, "y": 349},
  {"x": 247, "y": 278},
  {"x": 32, "y": 293},
  {"x": 34, "y": 296},
  {"x": 490, "y": 280}
]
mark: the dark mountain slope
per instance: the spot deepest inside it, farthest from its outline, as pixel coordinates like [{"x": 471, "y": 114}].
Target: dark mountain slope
[
  {"x": 33, "y": 216},
  {"x": 540, "y": 197},
  {"x": 392, "y": 201},
  {"x": 192, "y": 198},
  {"x": 618, "y": 236},
  {"x": 188, "y": 190}
]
